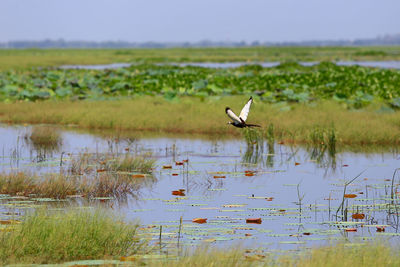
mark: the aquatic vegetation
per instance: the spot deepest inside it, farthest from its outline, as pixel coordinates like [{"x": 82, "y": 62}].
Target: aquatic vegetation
[
  {"x": 44, "y": 137},
  {"x": 16, "y": 183},
  {"x": 57, "y": 236},
  {"x": 131, "y": 163},
  {"x": 87, "y": 163},
  {"x": 354, "y": 86},
  {"x": 61, "y": 186}
]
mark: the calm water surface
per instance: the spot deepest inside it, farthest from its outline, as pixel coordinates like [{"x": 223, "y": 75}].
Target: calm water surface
[{"x": 282, "y": 174}]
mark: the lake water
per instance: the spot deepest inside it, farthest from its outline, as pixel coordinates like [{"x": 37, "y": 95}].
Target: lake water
[{"x": 281, "y": 175}]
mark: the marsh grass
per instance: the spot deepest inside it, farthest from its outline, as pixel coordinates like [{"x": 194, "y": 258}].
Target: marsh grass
[
  {"x": 131, "y": 163},
  {"x": 336, "y": 255},
  {"x": 322, "y": 140},
  {"x": 189, "y": 115},
  {"x": 56, "y": 237},
  {"x": 344, "y": 255},
  {"x": 86, "y": 163},
  {"x": 60, "y": 186},
  {"x": 44, "y": 137}
]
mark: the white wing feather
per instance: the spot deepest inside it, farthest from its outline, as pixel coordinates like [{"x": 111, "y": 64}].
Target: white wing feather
[
  {"x": 232, "y": 115},
  {"x": 245, "y": 110}
]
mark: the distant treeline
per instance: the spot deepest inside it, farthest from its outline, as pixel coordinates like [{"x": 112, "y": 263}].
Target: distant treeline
[{"x": 61, "y": 43}]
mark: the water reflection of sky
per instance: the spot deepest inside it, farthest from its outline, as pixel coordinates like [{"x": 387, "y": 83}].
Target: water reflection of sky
[{"x": 276, "y": 176}]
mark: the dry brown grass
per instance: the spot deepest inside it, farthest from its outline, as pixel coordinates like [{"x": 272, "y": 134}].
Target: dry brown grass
[{"x": 60, "y": 186}]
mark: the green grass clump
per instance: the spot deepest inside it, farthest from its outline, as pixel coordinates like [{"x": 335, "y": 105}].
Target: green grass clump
[
  {"x": 44, "y": 137},
  {"x": 130, "y": 163},
  {"x": 56, "y": 237}
]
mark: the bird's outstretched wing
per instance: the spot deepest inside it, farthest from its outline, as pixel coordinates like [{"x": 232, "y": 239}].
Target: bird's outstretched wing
[
  {"x": 232, "y": 115},
  {"x": 245, "y": 110}
]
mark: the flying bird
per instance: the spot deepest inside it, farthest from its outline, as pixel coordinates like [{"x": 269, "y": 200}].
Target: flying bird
[{"x": 240, "y": 121}]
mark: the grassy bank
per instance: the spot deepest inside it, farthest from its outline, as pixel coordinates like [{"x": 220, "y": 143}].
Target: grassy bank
[
  {"x": 53, "y": 237},
  {"x": 47, "y": 236},
  {"x": 26, "y": 58},
  {"x": 339, "y": 255},
  {"x": 295, "y": 123}
]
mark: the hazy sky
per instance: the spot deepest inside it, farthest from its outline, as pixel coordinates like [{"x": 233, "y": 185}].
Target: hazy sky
[{"x": 192, "y": 20}]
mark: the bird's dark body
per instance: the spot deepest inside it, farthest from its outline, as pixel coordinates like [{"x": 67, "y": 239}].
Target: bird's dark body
[
  {"x": 241, "y": 124},
  {"x": 244, "y": 125}
]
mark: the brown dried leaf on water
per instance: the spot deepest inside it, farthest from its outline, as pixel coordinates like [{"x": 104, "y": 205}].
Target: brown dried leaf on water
[
  {"x": 128, "y": 258},
  {"x": 138, "y": 175},
  {"x": 345, "y": 165},
  {"x": 380, "y": 228},
  {"x": 178, "y": 163},
  {"x": 219, "y": 176},
  {"x": 175, "y": 174},
  {"x": 100, "y": 170},
  {"x": 254, "y": 220},
  {"x": 358, "y": 216},
  {"x": 6, "y": 222},
  {"x": 178, "y": 193},
  {"x": 167, "y": 167},
  {"x": 199, "y": 220},
  {"x": 351, "y": 229},
  {"x": 350, "y": 195},
  {"x": 296, "y": 163},
  {"x": 249, "y": 174},
  {"x": 269, "y": 198}
]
